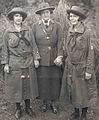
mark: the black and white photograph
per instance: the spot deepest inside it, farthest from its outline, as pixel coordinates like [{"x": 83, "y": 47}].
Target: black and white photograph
[{"x": 49, "y": 59}]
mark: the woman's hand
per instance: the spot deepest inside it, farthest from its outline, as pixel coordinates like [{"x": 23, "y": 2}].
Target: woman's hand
[
  {"x": 36, "y": 63},
  {"x": 6, "y": 68},
  {"x": 58, "y": 61},
  {"x": 88, "y": 76}
]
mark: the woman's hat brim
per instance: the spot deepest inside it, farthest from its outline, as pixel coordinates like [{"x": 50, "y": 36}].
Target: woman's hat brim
[
  {"x": 11, "y": 14},
  {"x": 77, "y": 13},
  {"x": 48, "y": 8}
]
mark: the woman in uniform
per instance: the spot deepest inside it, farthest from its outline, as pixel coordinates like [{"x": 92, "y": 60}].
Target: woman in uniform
[
  {"x": 79, "y": 62},
  {"x": 20, "y": 54},
  {"x": 48, "y": 37}
]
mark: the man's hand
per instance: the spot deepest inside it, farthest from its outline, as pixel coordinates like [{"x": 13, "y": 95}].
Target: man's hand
[
  {"x": 88, "y": 76},
  {"x": 58, "y": 61},
  {"x": 6, "y": 68},
  {"x": 36, "y": 63}
]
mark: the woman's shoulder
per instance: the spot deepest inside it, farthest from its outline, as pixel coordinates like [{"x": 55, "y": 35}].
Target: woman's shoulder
[
  {"x": 90, "y": 28},
  {"x": 9, "y": 28}
]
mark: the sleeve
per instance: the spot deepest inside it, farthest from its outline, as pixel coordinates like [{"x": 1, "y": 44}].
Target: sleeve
[
  {"x": 65, "y": 38},
  {"x": 90, "y": 55},
  {"x": 5, "y": 51},
  {"x": 60, "y": 40},
  {"x": 34, "y": 45}
]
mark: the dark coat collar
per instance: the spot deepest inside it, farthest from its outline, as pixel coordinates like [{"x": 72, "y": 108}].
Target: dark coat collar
[{"x": 49, "y": 29}]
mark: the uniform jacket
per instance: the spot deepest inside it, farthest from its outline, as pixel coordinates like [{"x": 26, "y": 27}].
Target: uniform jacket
[
  {"x": 80, "y": 59},
  {"x": 15, "y": 51},
  {"x": 79, "y": 49},
  {"x": 18, "y": 55},
  {"x": 49, "y": 41}
]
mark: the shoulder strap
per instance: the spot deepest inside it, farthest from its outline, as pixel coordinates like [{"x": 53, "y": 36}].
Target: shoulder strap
[{"x": 21, "y": 36}]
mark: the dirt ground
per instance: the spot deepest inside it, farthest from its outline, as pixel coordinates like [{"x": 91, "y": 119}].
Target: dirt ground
[{"x": 7, "y": 109}]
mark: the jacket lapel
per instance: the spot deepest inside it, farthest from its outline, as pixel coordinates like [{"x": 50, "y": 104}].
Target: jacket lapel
[{"x": 43, "y": 27}]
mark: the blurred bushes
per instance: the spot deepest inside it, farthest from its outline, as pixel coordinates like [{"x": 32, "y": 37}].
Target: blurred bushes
[{"x": 6, "y": 5}]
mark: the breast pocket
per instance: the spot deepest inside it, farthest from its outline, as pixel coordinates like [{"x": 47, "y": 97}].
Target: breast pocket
[
  {"x": 13, "y": 40},
  {"x": 81, "y": 43}
]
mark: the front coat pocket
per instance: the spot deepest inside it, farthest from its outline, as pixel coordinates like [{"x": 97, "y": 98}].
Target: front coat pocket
[{"x": 81, "y": 43}]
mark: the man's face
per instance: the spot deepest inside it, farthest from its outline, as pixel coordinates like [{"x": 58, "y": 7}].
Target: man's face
[
  {"x": 74, "y": 19},
  {"x": 17, "y": 18},
  {"x": 45, "y": 15}
]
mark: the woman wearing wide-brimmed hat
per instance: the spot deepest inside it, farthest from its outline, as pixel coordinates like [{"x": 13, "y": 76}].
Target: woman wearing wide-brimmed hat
[
  {"x": 20, "y": 54},
  {"x": 48, "y": 36},
  {"x": 79, "y": 62}
]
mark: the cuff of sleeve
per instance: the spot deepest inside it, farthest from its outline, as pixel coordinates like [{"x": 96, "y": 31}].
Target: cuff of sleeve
[
  {"x": 36, "y": 56},
  {"x": 60, "y": 56}
]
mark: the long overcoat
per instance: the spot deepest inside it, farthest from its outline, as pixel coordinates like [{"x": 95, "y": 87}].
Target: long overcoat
[
  {"x": 50, "y": 46},
  {"x": 19, "y": 54},
  {"x": 49, "y": 41},
  {"x": 80, "y": 59}
]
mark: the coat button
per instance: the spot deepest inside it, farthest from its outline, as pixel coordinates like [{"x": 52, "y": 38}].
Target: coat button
[
  {"x": 75, "y": 29},
  {"x": 20, "y": 35},
  {"x": 21, "y": 42},
  {"x": 47, "y": 37},
  {"x": 91, "y": 47},
  {"x": 49, "y": 47},
  {"x": 28, "y": 76}
]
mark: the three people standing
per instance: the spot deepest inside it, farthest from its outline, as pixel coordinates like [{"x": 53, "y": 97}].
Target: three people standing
[{"x": 42, "y": 48}]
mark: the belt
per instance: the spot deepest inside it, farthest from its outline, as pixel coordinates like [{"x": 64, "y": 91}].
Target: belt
[{"x": 24, "y": 55}]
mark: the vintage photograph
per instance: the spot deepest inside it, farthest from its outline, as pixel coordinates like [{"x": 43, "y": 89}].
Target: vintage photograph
[{"x": 49, "y": 59}]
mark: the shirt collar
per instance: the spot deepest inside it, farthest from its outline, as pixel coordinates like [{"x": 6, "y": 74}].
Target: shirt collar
[
  {"x": 78, "y": 29},
  {"x": 42, "y": 21},
  {"x": 46, "y": 23},
  {"x": 13, "y": 29}
]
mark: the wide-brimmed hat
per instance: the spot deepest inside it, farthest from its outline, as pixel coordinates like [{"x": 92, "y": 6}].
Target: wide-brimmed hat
[
  {"x": 17, "y": 10},
  {"x": 78, "y": 11},
  {"x": 44, "y": 6}
]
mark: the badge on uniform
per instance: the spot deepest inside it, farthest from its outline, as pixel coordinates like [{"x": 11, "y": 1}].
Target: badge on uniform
[{"x": 91, "y": 47}]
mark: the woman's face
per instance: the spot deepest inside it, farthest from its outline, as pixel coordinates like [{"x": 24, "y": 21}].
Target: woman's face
[
  {"x": 17, "y": 18},
  {"x": 74, "y": 19},
  {"x": 45, "y": 15}
]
